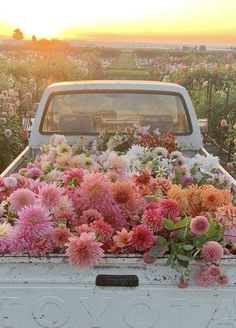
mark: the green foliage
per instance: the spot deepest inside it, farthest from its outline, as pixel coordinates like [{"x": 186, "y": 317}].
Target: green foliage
[{"x": 184, "y": 246}]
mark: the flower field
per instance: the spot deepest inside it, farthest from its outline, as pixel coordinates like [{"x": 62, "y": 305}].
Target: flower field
[
  {"x": 209, "y": 77},
  {"x": 133, "y": 193}
]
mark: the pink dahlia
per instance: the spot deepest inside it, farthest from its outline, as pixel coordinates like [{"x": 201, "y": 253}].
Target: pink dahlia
[
  {"x": 230, "y": 235},
  {"x": 149, "y": 258},
  {"x": 212, "y": 251},
  {"x": 35, "y": 221},
  {"x": 21, "y": 198},
  {"x": 73, "y": 177},
  {"x": 182, "y": 283},
  {"x": 41, "y": 247},
  {"x": 199, "y": 225},
  {"x": 82, "y": 228},
  {"x": 204, "y": 278},
  {"x": 170, "y": 208},
  {"x": 102, "y": 229},
  {"x": 142, "y": 238},
  {"x": 85, "y": 250},
  {"x": 60, "y": 237},
  {"x": 222, "y": 279},
  {"x": 35, "y": 172},
  {"x": 153, "y": 219},
  {"x": 50, "y": 195},
  {"x": 89, "y": 216},
  {"x": 214, "y": 270},
  {"x": 95, "y": 191}
]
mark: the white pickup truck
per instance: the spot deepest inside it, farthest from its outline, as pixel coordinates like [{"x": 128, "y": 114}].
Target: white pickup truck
[{"x": 121, "y": 291}]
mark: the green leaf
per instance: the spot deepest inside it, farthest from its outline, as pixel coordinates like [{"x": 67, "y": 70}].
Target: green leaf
[
  {"x": 188, "y": 247},
  {"x": 213, "y": 229},
  {"x": 149, "y": 198},
  {"x": 169, "y": 225},
  {"x": 170, "y": 260},
  {"x": 161, "y": 240},
  {"x": 176, "y": 267},
  {"x": 183, "y": 223},
  {"x": 157, "y": 250},
  {"x": 182, "y": 257}
]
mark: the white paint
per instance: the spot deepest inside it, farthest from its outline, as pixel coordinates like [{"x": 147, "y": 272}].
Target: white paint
[{"x": 48, "y": 293}]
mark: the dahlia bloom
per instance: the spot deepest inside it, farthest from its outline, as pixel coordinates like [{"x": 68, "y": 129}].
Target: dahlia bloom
[
  {"x": 226, "y": 216},
  {"x": 73, "y": 177},
  {"x": 164, "y": 184},
  {"x": 153, "y": 218},
  {"x": 85, "y": 250},
  {"x": 60, "y": 237},
  {"x": 122, "y": 238},
  {"x": 102, "y": 229},
  {"x": 10, "y": 182},
  {"x": 50, "y": 195},
  {"x": 64, "y": 209},
  {"x": 21, "y": 198},
  {"x": 222, "y": 279},
  {"x": 212, "y": 251},
  {"x": 230, "y": 235},
  {"x": 170, "y": 208},
  {"x": 41, "y": 246},
  {"x": 95, "y": 191},
  {"x": 214, "y": 270},
  {"x": 90, "y": 215},
  {"x": 182, "y": 283},
  {"x": 204, "y": 278},
  {"x": 177, "y": 193},
  {"x": 123, "y": 192},
  {"x": 199, "y": 225},
  {"x": 212, "y": 198},
  {"x": 149, "y": 258},
  {"x": 35, "y": 172},
  {"x": 193, "y": 196},
  {"x": 7, "y": 133},
  {"x": 142, "y": 238},
  {"x": 223, "y": 123},
  {"x": 35, "y": 221}
]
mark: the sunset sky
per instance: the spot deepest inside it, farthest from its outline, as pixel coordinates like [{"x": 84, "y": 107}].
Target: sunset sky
[{"x": 208, "y": 21}]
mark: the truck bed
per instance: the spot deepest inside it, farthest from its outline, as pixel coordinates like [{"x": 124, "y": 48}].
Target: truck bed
[{"x": 47, "y": 292}]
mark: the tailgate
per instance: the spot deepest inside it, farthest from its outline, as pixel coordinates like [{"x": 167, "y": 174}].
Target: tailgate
[{"x": 48, "y": 293}]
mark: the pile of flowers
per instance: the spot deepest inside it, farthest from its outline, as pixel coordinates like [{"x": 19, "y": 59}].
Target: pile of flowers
[{"x": 146, "y": 198}]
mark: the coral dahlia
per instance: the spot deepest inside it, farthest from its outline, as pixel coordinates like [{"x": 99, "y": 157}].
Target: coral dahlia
[{"x": 85, "y": 250}]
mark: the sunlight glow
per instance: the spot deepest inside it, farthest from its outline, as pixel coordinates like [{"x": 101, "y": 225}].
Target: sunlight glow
[{"x": 186, "y": 19}]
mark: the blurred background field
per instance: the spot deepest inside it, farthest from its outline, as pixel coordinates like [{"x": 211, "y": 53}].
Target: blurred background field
[{"x": 27, "y": 69}]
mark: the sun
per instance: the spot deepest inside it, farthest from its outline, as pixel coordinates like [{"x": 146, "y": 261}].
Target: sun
[
  {"x": 49, "y": 18},
  {"x": 42, "y": 19}
]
